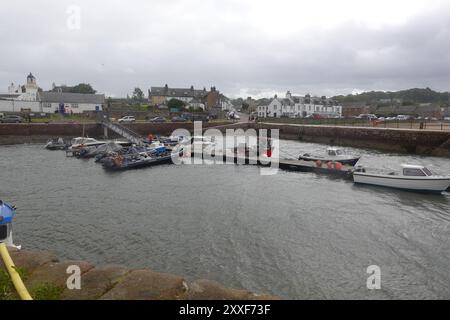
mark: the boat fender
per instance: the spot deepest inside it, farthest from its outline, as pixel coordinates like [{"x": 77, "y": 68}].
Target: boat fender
[
  {"x": 319, "y": 164},
  {"x": 338, "y": 166},
  {"x": 118, "y": 160}
]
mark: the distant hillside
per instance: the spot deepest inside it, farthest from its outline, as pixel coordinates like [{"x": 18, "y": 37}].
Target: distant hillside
[{"x": 406, "y": 96}]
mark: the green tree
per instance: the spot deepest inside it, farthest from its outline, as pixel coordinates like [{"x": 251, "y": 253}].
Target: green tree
[
  {"x": 138, "y": 94},
  {"x": 83, "y": 88},
  {"x": 175, "y": 103}
]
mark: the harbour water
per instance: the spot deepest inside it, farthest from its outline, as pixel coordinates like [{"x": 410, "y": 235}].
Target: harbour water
[{"x": 295, "y": 235}]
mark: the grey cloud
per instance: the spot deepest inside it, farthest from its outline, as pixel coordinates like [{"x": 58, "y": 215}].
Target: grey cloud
[{"x": 123, "y": 44}]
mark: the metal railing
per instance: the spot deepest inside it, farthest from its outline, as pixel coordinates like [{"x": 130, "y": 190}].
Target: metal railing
[
  {"x": 439, "y": 125},
  {"x": 123, "y": 131}
]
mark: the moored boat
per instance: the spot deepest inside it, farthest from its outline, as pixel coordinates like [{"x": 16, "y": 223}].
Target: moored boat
[
  {"x": 93, "y": 151},
  {"x": 137, "y": 160},
  {"x": 411, "y": 177},
  {"x": 56, "y": 144},
  {"x": 79, "y": 142},
  {"x": 333, "y": 154}
]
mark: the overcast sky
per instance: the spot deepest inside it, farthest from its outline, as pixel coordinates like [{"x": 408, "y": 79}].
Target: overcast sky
[{"x": 243, "y": 47}]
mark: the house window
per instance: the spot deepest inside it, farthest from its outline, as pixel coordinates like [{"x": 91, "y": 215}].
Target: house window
[
  {"x": 74, "y": 105},
  {"x": 47, "y": 105}
]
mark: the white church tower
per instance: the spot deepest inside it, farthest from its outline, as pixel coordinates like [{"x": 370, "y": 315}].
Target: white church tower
[{"x": 31, "y": 89}]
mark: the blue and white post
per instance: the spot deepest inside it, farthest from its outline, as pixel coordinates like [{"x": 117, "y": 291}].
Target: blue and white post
[{"x": 7, "y": 213}]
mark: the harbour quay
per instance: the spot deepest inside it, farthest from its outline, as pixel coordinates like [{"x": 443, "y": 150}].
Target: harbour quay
[{"x": 429, "y": 143}]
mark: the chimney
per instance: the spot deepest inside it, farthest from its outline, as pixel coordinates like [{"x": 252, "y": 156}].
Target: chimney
[{"x": 288, "y": 95}]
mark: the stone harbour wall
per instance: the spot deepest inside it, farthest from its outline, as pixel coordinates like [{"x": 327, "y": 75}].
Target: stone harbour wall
[
  {"x": 112, "y": 282},
  {"x": 41, "y": 132},
  {"x": 423, "y": 142}
]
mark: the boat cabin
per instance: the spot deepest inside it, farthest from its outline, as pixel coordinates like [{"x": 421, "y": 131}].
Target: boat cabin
[
  {"x": 416, "y": 171},
  {"x": 335, "y": 152},
  {"x": 80, "y": 140}
]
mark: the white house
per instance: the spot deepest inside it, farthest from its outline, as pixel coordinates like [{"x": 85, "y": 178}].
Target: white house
[
  {"x": 277, "y": 108},
  {"x": 225, "y": 103},
  {"x": 28, "y": 98},
  {"x": 21, "y": 98},
  {"x": 70, "y": 102},
  {"x": 299, "y": 107},
  {"x": 197, "y": 104}
]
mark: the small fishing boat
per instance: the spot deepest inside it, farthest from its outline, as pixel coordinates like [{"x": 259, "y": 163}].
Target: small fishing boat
[
  {"x": 56, "y": 144},
  {"x": 333, "y": 154},
  {"x": 202, "y": 142},
  {"x": 82, "y": 145},
  {"x": 173, "y": 141},
  {"x": 79, "y": 142},
  {"x": 138, "y": 160},
  {"x": 411, "y": 177},
  {"x": 93, "y": 151}
]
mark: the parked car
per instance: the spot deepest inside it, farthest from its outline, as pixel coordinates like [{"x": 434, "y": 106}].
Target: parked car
[
  {"x": 158, "y": 120},
  {"x": 404, "y": 117},
  {"x": 11, "y": 119},
  {"x": 179, "y": 119},
  {"x": 200, "y": 117},
  {"x": 127, "y": 119},
  {"x": 367, "y": 117}
]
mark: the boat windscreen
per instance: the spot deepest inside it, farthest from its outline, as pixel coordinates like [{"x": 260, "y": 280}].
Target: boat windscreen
[
  {"x": 413, "y": 172},
  {"x": 427, "y": 172}
]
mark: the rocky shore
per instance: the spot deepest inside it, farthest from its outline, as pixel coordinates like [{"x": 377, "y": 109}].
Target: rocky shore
[{"x": 43, "y": 272}]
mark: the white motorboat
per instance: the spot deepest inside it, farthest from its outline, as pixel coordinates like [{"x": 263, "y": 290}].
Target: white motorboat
[
  {"x": 411, "y": 177},
  {"x": 202, "y": 142},
  {"x": 333, "y": 154},
  {"x": 79, "y": 142},
  {"x": 82, "y": 142},
  {"x": 175, "y": 140}
]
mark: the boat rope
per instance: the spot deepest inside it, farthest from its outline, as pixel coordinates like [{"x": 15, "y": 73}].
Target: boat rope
[{"x": 15, "y": 277}]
